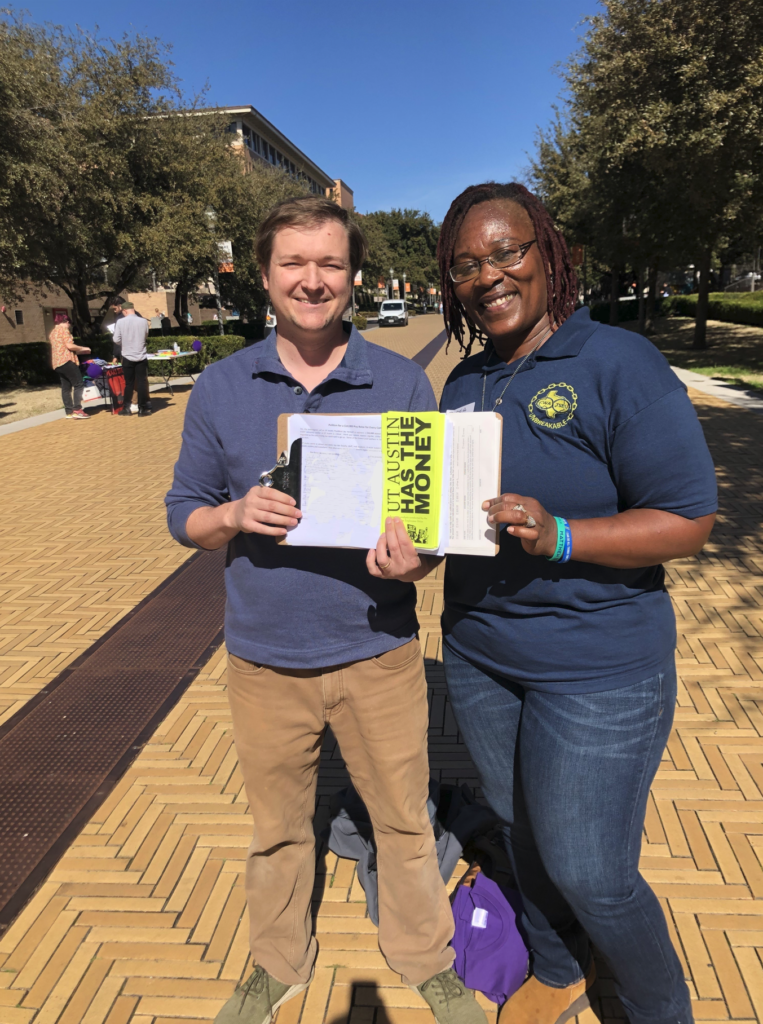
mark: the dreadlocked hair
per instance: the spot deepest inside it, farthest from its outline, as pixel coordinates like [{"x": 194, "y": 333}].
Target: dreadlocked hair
[{"x": 561, "y": 280}]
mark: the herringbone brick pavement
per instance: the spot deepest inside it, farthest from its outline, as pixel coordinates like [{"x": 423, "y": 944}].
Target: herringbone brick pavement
[
  {"x": 82, "y": 536},
  {"x": 141, "y": 921}
]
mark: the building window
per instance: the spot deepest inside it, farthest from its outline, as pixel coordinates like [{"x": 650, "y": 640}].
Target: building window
[
  {"x": 19, "y": 317},
  {"x": 272, "y": 154}
]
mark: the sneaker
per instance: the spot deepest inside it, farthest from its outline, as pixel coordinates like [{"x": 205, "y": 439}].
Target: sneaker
[
  {"x": 78, "y": 414},
  {"x": 125, "y": 412},
  {"x": 256, "y": 1001},
  {"x": 450, "y": 1000},
  {"x": 144, "y": 412}
]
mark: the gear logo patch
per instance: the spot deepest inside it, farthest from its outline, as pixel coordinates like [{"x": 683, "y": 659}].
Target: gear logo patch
[{"x": 553, "y": 407}]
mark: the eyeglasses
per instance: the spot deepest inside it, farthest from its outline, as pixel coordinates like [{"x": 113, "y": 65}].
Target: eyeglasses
[{"x": 509, "y": 256}]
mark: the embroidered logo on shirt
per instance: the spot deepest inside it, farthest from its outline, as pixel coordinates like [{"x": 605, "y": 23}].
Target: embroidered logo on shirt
[{"x": 553, "y": 407}]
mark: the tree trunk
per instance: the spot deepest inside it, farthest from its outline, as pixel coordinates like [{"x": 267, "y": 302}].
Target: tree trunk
[
  {"x": 642, "y": 275},
  {"x": 651, "y": 301},
  {"x": 614, "y": 295},
  {"x": 703, "y": 302},
  {"x": 181, "y": 306},
  {"x": 81, "y": 320}
]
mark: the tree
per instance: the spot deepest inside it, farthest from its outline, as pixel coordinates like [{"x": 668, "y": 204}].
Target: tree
[
  {"x": 664, "y": 101},
  {"x": 405, "y": 240},
  {"x": 108, "y": 171}
]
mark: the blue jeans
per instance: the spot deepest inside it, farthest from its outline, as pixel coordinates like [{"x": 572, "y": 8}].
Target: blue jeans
[{"x": 570, "y": 777}]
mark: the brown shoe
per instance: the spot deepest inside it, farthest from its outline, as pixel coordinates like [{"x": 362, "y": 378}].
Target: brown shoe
[{"x": 536, "y": 1003}]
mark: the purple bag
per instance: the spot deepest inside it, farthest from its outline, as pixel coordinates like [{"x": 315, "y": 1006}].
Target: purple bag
[{"x": 491, "y": 955}]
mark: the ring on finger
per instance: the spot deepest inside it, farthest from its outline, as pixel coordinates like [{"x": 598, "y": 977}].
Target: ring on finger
[
  {"x": 530, "y": 521},
  {"x": 385, "y": 566}
]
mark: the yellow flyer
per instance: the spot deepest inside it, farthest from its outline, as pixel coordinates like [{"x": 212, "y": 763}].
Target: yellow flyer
[{"x": 412, "y": 449}]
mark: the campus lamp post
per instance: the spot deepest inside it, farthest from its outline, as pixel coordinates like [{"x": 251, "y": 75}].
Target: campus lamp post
[
  {"x": 391, "y": 283},
  {"x": 210, "y": 215}
]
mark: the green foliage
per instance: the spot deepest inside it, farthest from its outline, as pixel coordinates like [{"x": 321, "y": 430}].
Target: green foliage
[
  {"x": 404, "y": 240},
  {"x": 628, "y": 311},
  {"x": 30, "y": 363},
  {"x": 657, "y": 156},
  {"x": 360, "y": 321},
  {"x": 106, "y": 170},
  {"x": 729, "y": 308},
  {"x": 26, "y": 364}
]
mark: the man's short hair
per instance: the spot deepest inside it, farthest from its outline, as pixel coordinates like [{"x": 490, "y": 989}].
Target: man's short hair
[
  {"x": 128, "y": 305},
  {"x": 304, "y": 212}
]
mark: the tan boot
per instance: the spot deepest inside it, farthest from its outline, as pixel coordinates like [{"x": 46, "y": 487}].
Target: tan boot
[{"x": 536, "y": 1003}]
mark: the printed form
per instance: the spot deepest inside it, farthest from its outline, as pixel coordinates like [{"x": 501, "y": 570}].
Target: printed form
[{"x": 341, "y": 480}]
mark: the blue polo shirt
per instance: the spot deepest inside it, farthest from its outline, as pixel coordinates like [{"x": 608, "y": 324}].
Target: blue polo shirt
[
  {"x": 595, "y": 423},
  {"x": 291, "y": 607}
]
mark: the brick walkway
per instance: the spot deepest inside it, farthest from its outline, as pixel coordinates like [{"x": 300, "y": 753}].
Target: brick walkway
[{"x": 141, "y": 921}]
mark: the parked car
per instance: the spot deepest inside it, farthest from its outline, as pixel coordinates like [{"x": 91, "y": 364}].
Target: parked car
[{"x": 393, "y": 311}]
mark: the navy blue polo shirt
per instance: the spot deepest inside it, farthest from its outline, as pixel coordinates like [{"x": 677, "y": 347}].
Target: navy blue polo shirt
[
  {"x": 292, "y": 607},
  {"x": 594, "y": 423}
]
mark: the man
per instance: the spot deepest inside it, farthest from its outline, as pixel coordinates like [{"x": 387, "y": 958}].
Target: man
[
  {"x": 116, "y": 311},
  {"x": 130, "y": 335},
  {"x": 315, "y": 635}
]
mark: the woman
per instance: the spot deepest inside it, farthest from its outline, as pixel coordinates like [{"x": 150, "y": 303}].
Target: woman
[
  {"x": 64, "y": 352},
  {"x": 559, "y": 652}
]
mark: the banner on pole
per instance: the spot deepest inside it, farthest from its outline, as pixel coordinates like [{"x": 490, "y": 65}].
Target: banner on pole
[{"x": 225, "y": 265}]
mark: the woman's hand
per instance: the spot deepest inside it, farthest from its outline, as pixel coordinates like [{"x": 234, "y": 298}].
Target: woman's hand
[
  {"x": 395, "y": 557},
  {"x": 539, "y": 539},
  {"x": 634, "y": 539}
]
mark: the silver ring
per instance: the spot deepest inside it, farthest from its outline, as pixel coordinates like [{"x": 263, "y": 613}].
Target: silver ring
[{"x": 530, "y": 520}]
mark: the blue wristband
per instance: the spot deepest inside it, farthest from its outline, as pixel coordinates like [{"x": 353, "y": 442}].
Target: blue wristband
[
  {"x": 563, "y": 551},
  {"x": 567, "y": 554}
]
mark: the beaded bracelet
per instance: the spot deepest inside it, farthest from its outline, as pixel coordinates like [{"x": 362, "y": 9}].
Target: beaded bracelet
[{"x": 563, "y": 551}]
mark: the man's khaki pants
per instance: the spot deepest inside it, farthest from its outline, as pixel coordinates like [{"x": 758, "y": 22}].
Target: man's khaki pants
[{"x": 377, "y": 709}]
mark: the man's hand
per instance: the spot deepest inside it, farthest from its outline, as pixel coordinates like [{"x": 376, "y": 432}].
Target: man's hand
[
  {"x": 265, "y": 510},
  {"x": 262, "y": 510},
  {"x": 536, "y": 540},
  {"x": 395, "y": 557}
]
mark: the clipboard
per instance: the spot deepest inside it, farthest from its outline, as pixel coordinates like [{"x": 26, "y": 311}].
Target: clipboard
[{"x": 470, "y": 471}]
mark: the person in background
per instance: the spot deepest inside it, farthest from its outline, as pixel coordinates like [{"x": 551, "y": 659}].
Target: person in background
[
  {"x": 130, "y": 335},
  {"x": 116, "y": 309},
  {"x": 166, "y": 325},
  {"x": 64, "y": 352}
]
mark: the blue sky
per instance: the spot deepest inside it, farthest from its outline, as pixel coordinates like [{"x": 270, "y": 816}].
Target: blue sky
[{"x": 409, "y": 101}]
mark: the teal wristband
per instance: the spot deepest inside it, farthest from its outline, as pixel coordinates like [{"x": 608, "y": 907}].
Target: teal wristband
[{"x": 561, "y": 531}]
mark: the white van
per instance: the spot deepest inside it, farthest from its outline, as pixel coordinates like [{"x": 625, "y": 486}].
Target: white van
[{"x": 393, "y": 311}]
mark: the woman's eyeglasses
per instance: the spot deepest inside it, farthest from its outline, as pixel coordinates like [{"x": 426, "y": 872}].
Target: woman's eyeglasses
[{"x": 500, "y": 260}]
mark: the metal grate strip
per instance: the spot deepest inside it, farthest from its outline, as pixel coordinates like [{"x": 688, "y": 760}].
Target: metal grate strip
[{"x": 61, "y": 755}]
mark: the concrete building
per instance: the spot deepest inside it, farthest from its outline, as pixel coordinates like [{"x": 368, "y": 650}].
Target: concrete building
[
  {"x": 262, "y": 141},
  {"x": 33, "y": 318}
]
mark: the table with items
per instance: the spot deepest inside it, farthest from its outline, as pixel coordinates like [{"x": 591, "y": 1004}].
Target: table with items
[{"x": 167, "y": 370}]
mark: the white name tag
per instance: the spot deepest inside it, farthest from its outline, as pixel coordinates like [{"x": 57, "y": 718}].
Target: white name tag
[
  {"x": 479, "y": 916},
  {"x": 463, "y": 408}
]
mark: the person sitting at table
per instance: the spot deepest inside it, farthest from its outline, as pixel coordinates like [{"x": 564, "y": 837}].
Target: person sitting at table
[{"x": 130, "y": 334}]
